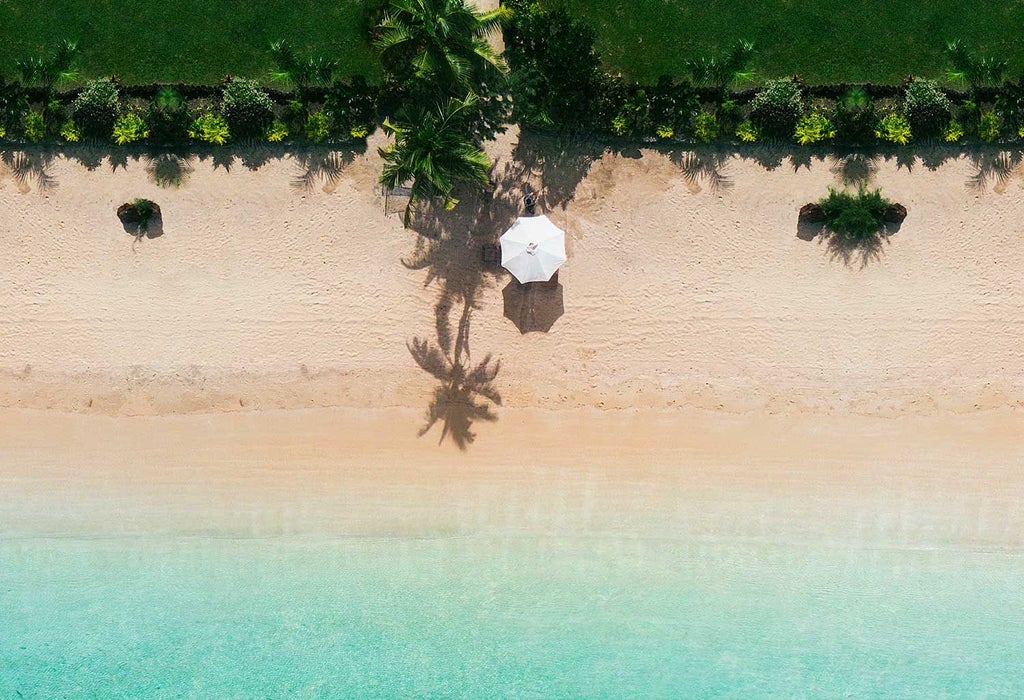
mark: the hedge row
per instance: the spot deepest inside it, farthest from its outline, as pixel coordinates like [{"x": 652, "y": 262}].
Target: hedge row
[{"x": 174, "y": 115}]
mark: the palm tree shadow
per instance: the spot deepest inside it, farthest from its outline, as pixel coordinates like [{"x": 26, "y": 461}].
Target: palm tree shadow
[
  {"x": 28, "y": 168},
  {"x": 854, "y": 169},
  {"x": 705, "y": 167},
  {"x": 994, "y": 169},
  {"x": 465, "y": 392},
  {"x": 169, "y": 170},
  {"x": 320, "y": 169}
]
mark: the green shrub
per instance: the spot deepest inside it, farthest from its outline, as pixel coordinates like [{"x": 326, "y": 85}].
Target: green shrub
[
  {"x": 1020, "y": 132},
  {"x": 988, "y": 126},
  {"x": 318, "y": 126},
  {"x": 855, "y": 115},
  {"x": 705, "y": 126},
  {"x": 359, "y": 131},
  {"x": 129, "y": 128},
  {"x": 246, "y": 108},
  {"x": 953, "y": 132},
  {"x": 168, "y": 117},
  {"x": 35, "y": 126},
  {"x": 855, "y": 216},
  {"x": 556, "y": 79},
  {"x": 895, "y": 128},
  {"x": 927, "y": 107},
  {"x": 70, "y": 132},
  {"x": 144, "y": 210},
  {"x": 620, "y": 125},
  {"x": 747, "y": 132},
  {"x": 210, "y": 128},
  {"x": 776, "y": 108},
  {"x": 665, "y": 131},
  {"x": 813, "y": 128},
  {"x": 276, "y": 132},
  {"x": 96, "y": 108},
  {"x": 3, "y": 131}
]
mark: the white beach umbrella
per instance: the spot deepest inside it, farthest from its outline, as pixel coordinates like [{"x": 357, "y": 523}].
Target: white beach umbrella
[{"x": 533, "y": 249}]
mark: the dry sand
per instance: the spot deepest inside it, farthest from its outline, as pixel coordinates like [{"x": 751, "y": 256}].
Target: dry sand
[{"x": 690, "y": 305}]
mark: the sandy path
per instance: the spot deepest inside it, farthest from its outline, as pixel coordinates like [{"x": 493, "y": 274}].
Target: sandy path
[{"x": 264, "y": 295}]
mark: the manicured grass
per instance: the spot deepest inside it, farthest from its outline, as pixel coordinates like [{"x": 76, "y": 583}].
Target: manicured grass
[
  {"x": 192, "y": 41},
  {"x": 825, "y": 41}
]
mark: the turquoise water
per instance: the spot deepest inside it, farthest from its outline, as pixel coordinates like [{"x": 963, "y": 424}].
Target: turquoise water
[{"x": 506, "y": 616}]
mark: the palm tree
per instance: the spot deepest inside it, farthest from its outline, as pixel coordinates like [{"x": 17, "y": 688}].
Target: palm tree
[
  {"x": 302, "y": 72},
  {"x": 442, "y": 41},
  {"x": 49, "y": 71},
  {"x": 967, "y": 68},
  {"x": 723, "y": 71},
  {"x": 433, "y": 151}
]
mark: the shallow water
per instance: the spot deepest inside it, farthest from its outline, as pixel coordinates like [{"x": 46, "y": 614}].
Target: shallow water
[{"x": 604, "y": 616}]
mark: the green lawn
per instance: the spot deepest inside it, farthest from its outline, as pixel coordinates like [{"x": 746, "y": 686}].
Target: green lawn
[
  {"x": 192, "y": 41},
  {"x": 825, "y": 41}
]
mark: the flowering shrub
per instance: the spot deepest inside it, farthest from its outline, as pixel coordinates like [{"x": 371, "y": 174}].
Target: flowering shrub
[
  {"x": 246, "y": 108},
  {"x": 926, "y": 106},
  {"x": 96, "y": 108},
  {"x": 777, "y": 107}
]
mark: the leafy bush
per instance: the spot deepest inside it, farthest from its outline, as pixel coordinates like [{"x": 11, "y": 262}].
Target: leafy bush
[
  {"x": 855, "y": 216},
  {"x": 318, "y": 126},
  {"x": 35, "y": 126},
  {"x": 665, "y": 131},
  {"x": 129, "y": 128},
  {"x": 813, "y": 128},
  {"x": 926, "y": 106},
  {"x": 988, "y": 126},
  {"x": 70, "y": 132},
  {"x": 13, "y": 106},
  {"x": 276, "y": 132},
  {"x": 895, "y": 128},
  {"x": 359, "y": 131},
  {"x": 168, "y": 116},
  {"x": 352, "y": 107},
  {"x": 705, "y": 126},
  {"x": 145, "y": 211},
  {"x": 246, "y": 108},
  {"x": 556, "y": 80},
  {"x": 954, "y": 131},
  {"x": 776, "y": 108},
  {"x": 211, "y": 128},
  {"x": 3, "y": 131},
  {"x": 96, "y": 108},
  {"x": 747, "y": 132}
]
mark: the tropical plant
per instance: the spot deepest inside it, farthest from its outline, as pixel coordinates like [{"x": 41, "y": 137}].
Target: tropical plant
[
  {"x": 35, "y": 126},
  {"x": 747, "y": 132},
  {"x": 556, "y": 80},
  {"x": 953, "y": 132},
  {"x": 776, "y": 108},
  {"x": 301, "y": 71},
  {"x": 352, "y": 107},
  {"x": 246, "y": 108},
  {"x": 13, "y": 106},
  {"x": 129, "y": 128},
  {"x": 443, "y": 42},
  {"x": 49, "y": 71},
  {"x": 968, "y": 69},
  {"x": 813, "y": 127},
  {"x": 705, "y": 126},
  {"x": 926, "y": 106},
  {"x": 96, "y": 108},
  {"x": 276, "y": 132},
  {"x": 895, "y": 128},
  {"x": 723, "y": 71},
  {"x": 634, "y": 115},
  {"x": 168, "y": 116},
  {"x": 210, "y": 128},
  {"x": 988, "y": 126},
  {"x": 858, "y": 216},
  {"x": 855, "y": 115},
  {"x": 433, "y": 152},
  {"x": 318, "y": 126},
  {"x": 145, "y": 210}
]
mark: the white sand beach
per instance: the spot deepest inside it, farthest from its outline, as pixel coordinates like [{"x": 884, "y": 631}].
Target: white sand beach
[{"x": 250, "y": 370}]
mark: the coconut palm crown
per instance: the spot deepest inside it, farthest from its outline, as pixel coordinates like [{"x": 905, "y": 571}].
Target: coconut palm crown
[
  {"x": 433, "y": 151},
  {"x": 442, "y": 41}
]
